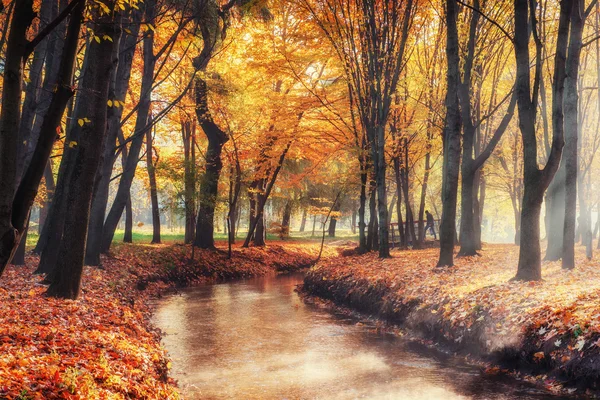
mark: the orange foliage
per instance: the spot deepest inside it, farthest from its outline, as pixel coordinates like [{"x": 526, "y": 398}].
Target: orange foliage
[
  {"x": 474, "y": 305},
  {"x": 103, "y": 346}
]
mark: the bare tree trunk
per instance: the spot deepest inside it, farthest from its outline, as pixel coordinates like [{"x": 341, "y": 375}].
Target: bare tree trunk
[
  {"x": 479, "y": 203},
  {"x": 536, "y": 181},
  {"x": 372, "y": 242},
  {"x": 19, "y": 258},
  {"x": 424, "y": 191},
  {"x": 189, "y": 134},
  {"x": 451, "y": 142},
  {"x": 333, "y": 219},
  {"x": 410, "y": 221},
  {"x": 151, "y": 167},
  {"x": 67, "y": 278},
  {"x": 9, "y": 125},
  {"x": 285, "y": 221},
  {"x": 571, "y": 123},
  {"x": 141, "y": 126},
  {"x": 210, "y": 180},
  {"x": 555, "y": 211},
  {"x": 379, "y": 166},
  {"x": 29, "y": 184},
  {"x": 303, "y": 221},
  {"x": 32, "y": 92},
  {"x": 128, "y": 234},
  {"x": 119, "y": 86},
  {"x": 362, "y": 238},
  {"x": 399, "y": 189}
]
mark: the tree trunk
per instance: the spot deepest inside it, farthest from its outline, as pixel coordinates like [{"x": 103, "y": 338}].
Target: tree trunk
[
  {"x": 189, "y": 148},
  {"x": 263, "y": 196},
  {"x": 478, "y": 206},
  {"x": 119, "y": 86},
  {"x": 372, "y": 230},
  {"x": 380, "y": 178},
  {"x": 37, "y": 167},
  {"x": 399, "y": 189},
  {"x": 153, "y": 188},
  {"x": 362, "y": 208},
  {"x": 424, "y": 191},
  {"x": 19, "y": 258},
  {"x": 530, "y": 252},
  {"x": 535, "y": 181},
  {"x": 128, "y": 233},
  {"x": 9, "y": 124},
  {"x": 410, "y": 221},
  {"x": 67, "y": 278},
  {"x": 555, "y": 212},
  {"x": 451, "y": 142},
  {"x": 259, "y": 230},
  {"x": 141, "y": 126},
  {"x": 210, "y": 180},
  {"x": 303, "y": 221},
  {"x": 285, "y": 220},
  {"x": 333, "y": 220},
  {"x": 32, "y": 92},
  {"x": 571, "y": 123}
]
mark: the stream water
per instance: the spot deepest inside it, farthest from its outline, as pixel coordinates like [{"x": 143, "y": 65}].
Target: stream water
[{"x": 256, "y": 339}]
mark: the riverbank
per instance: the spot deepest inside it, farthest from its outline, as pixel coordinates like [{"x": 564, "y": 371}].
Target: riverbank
[
  {"x": 103, "y": 345},
  {"x": 549, "y": 330}
]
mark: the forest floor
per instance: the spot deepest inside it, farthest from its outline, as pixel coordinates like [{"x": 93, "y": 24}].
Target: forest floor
[
  {"x": 103, "y": 346},
  {"x": 547, "y": 331}
]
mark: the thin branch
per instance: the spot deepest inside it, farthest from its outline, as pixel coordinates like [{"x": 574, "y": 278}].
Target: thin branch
[{"x": 497, "y": 25}]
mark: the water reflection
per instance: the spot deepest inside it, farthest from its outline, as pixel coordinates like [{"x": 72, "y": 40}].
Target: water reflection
[{"x": 257, "y": 340}]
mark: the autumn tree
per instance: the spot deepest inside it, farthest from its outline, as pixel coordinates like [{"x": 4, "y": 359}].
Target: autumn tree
[
  {"x": 373, "y": 57},
  {"x": 66, "y": 280},
  {"x": 16, "y": 201},
  {"x": 452, "y": 148},
  {"x": 536, "y": 180}
]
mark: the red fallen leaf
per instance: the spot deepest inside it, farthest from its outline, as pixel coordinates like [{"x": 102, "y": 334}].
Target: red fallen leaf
[
  {"x": 56, "y": 378},
  {"x": 106, "y": 334}
]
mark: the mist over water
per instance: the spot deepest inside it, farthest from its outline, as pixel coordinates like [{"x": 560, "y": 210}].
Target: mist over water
[{"x": 257, "y": 340}]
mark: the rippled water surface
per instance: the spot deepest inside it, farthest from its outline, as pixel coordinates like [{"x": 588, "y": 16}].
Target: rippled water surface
[{"x": 257, "y": 340}]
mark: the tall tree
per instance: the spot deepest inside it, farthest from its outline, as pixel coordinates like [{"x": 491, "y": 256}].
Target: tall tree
[
  {"x": 572, "y": 131},
  {"x": 140, "y": 129},
  {"x": 451, "y": 141},
  {"x": 66, "y": 279},
  {"x": 373, "y": 58},
  {"x": 119, "y": 86},
  {"x": 210, "y": 20},
  {"x": 536, "y": 180},
  {"x": 471, "y": 164},
  {"x": 15, "y": 206}
]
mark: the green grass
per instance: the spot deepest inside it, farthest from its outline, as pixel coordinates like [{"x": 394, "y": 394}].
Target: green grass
[{"x": 143, "y": 235}]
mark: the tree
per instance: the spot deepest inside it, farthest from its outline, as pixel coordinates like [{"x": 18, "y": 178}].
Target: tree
[
  {"x": 452, "y": 148},
  {"x": 572, "y": 132},
  {"x": 211, "y": 29},
  {"x": 536, "y": 180},
  {"x": 473, "y": 160},
  {"x": 66, "y": 279},
  {"x": 15, "y": 207},
  {"x": 373, "y": 59}
]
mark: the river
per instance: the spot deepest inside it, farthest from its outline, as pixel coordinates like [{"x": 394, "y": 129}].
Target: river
[{"x": 256, "y": 339}]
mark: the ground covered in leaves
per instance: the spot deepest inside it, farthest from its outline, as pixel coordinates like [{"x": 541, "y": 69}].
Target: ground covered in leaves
[
  {"x": 550, "y": 329},
  {"x": 102, "y": 346}
]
